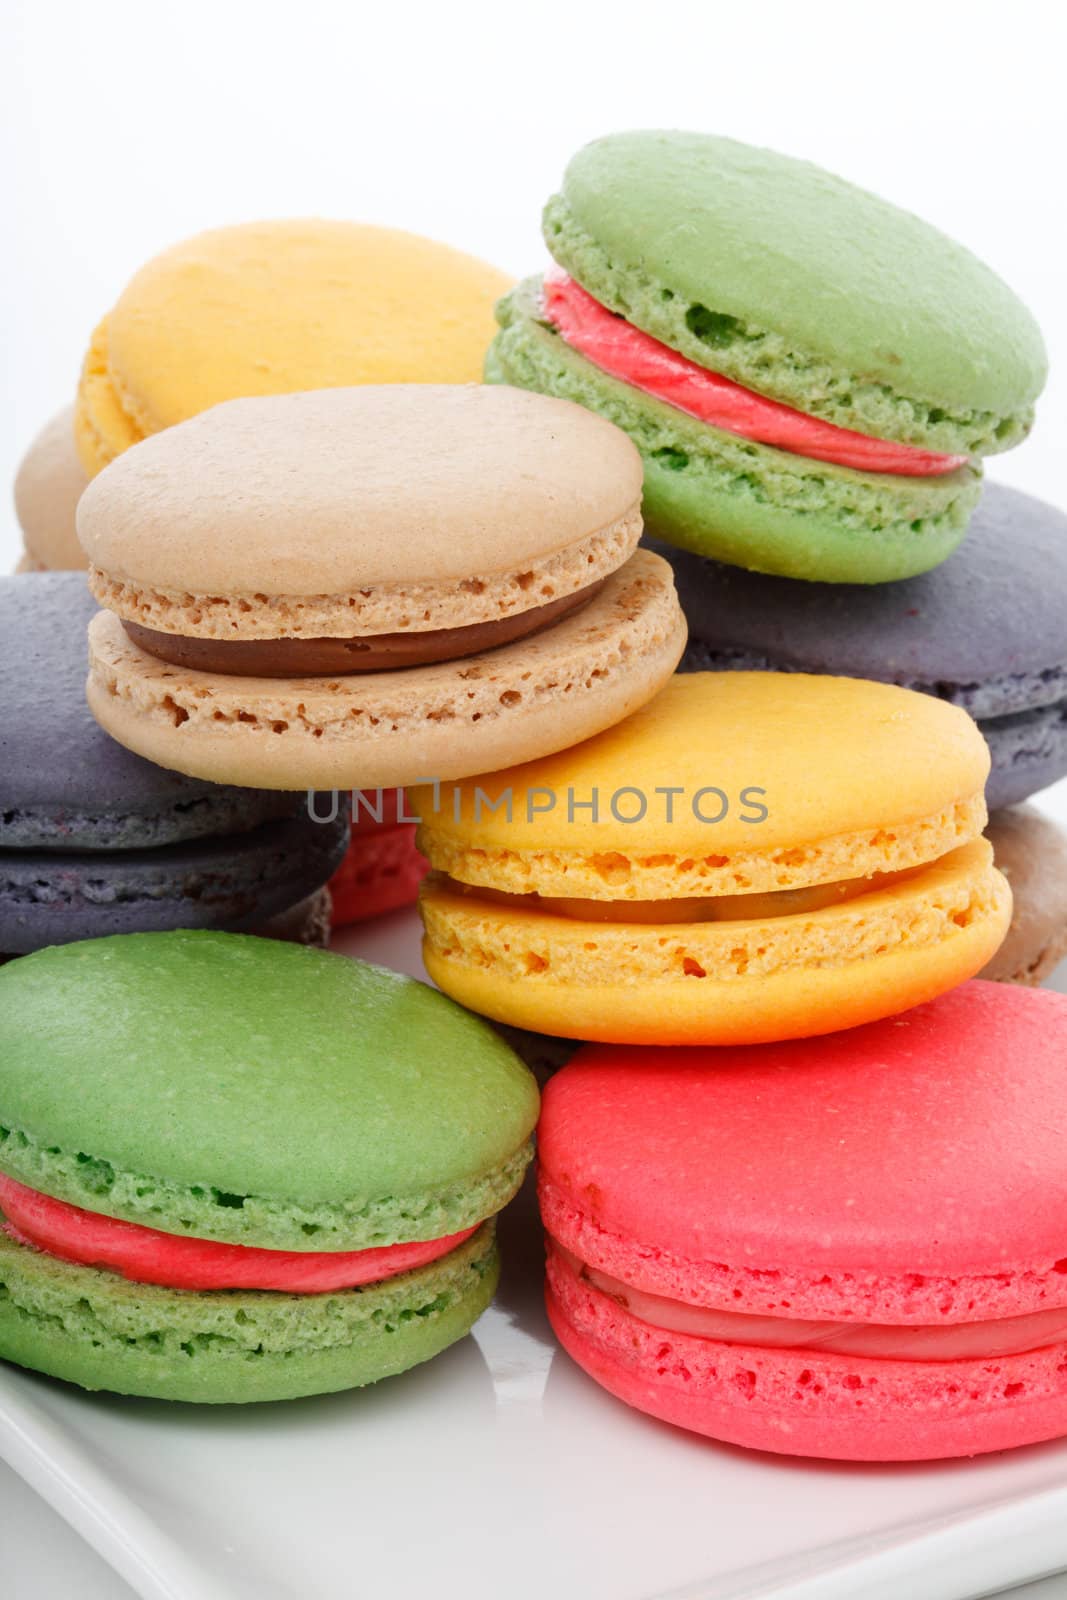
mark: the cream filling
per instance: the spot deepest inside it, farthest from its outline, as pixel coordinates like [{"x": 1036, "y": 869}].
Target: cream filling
[
  {"x": 962, "y": 1341},
  {"x": 696, "y": 908}
]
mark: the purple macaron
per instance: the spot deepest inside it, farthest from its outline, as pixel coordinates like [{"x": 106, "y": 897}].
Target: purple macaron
[{"x": 93, "y": 839}]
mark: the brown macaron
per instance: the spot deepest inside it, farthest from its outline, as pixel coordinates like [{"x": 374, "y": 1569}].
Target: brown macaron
[
  {"x": 360, "y": 587},
  {"x": 1031, "y": 851}
]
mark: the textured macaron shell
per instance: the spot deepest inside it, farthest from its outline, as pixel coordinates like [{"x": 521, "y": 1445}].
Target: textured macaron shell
[
  {"x": 276, "y": 307},
  {"x": 808, "y": 1402},
  {"x": 800, "y": 285},
  {"x": 400, "y": 488},
  {"x": 1031, "y": 852},
  {"x": 850, "y": 1177},
  {"x": 742, "y": 981},
  {"x": 448, "y": 720},
  {"x": 723, "y": 495},
  {"x": 313, "y": 1102},
  {"x": 48, "y": 486},
  {"x": 984, "y": 630},
  {"x": 65, "y": 785},
  {"x": 837, "y": 763},
  {"x": 97, "y": 1330}
]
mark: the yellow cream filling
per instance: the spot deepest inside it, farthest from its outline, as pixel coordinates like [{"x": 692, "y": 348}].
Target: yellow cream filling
[{"x": 696, "y": 908}]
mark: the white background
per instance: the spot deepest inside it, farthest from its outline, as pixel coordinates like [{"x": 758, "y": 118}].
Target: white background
[{"x": 128, "y": 125}]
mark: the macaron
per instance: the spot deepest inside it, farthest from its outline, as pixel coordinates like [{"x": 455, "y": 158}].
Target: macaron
[
  {"x": 984, "y": 630},
  {"x": 313, "y": 1211},
  {"x": 811, "y": 374},
  {"x": 362, "y": 587},
  {"x": 94, "y": 840},
  {"x": 753, "y": 856},
  {"x": 271, "y": 307},
  {"x": 1031, "y": 851},
  {"x": 851, "y": 1248},
  {"x": 48, "y": 487},
  {"x": 383, "y": 867}
]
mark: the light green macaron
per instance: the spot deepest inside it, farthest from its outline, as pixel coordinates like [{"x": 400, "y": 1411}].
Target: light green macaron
[
  {"x": 811, "y": 292},
  {"x": 229, "y": 1089}
]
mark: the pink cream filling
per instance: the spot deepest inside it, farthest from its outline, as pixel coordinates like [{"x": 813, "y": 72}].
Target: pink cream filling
[
  {"x": 964, "y": 1341},
  {"x": 618, "y": 348},
  {"x": 145, "y": 1255}
]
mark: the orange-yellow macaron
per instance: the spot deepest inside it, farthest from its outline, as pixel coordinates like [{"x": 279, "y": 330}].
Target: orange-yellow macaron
[
  {"x": 275, "y": 307},
  {"x": 752, "y": 856}
]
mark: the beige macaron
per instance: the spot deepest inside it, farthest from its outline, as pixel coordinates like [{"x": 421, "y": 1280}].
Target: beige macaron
[
  {"x": 1031, "y": 851},
  {"x": 48, "y": 487},
  {"x": 361, "y": 587}
]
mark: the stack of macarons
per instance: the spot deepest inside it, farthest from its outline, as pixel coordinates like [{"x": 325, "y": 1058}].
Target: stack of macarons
[
  {"x": 263, "y": 308},
  {"x": 812, "y": 375},
  {"x": 313, "y": 1212},
  {"x": 94, "y": 840},
  {"x": 984, "y": 630},
  {"x": 757, "y": 891},
  {"x": 739, "y": 1238}
]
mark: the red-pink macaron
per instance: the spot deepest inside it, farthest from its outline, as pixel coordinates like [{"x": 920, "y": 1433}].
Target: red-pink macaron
[
  {"x": 382, "y": 868},
  {"x": 852, "y": 1246}
]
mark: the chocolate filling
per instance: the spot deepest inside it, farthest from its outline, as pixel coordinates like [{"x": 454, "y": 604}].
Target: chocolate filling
[{"x": 379, "y": 652}]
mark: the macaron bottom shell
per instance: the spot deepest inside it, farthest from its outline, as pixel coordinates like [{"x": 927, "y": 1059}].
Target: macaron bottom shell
[
  {"x": 805, "y": 1402},
  {"x": 720, "y": 983},
  {"x": 99, "y": 1331},
  {"x": 746, "y": 504},
  {"x": 449, "y": 720},
  {"x": 1029, "y": 752},
  {"x": 237, "y": 883}
]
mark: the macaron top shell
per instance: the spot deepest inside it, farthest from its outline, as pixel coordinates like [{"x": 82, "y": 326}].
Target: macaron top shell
[
  {"x": 801, "y": 286},
  {"x": 985, "y": 629},
  {"x": 927, "y": 1145},
  {"x": 254, "y": 1092},
  {"x": 66, "y": 785},
  {"x": 324, "y": 493},
  {"x": 275, "y": 307},
  {"x": 829, "y": 758},
  {"x": 48, "y": 485}
]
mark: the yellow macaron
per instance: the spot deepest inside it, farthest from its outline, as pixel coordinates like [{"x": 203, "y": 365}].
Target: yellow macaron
[
  {"x": 268, "y": 308},
  {"x": 753, "y": 856}
]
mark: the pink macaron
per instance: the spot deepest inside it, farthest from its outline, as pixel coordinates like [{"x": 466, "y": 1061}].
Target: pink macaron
[{"x": 852, "y": 1246}]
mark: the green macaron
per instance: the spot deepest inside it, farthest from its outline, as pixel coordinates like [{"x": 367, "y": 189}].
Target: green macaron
[
  {"x": 228, "y": 1090},
  {"x": 804, "y": 290}
]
